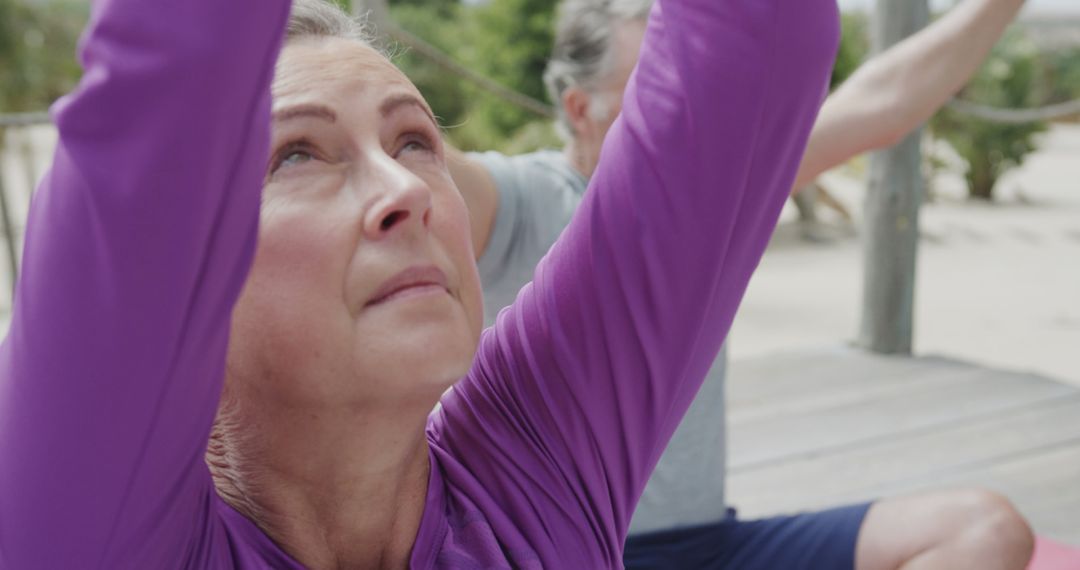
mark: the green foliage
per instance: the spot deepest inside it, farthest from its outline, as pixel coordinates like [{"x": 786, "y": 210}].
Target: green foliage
[
  {"x": 438, "y": 23},
  {"x": 37, "y": 52},
  {"x": 854, "y": 47},
  {"x": 991, "y": 149},
  {"x": 1061, "y": 76},
  {"x": 507, "y": 41},
  {"x": 532, "y": 136},
  {"x": 345, "y": 4},
  {"x": 512, "y": 48}
]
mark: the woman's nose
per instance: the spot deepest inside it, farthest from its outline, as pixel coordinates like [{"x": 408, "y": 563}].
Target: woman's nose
[{"x": 403, "y": 201}]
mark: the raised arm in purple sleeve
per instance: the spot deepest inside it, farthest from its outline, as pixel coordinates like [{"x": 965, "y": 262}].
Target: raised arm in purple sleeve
[
  {"x": 581, "y": 383},
  {"x": 138, "y": 242}
]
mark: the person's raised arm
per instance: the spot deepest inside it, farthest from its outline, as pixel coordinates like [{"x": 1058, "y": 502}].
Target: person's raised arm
[
  {"x": 580, "y": 384},
  {"x": 895, "y": 92},
  {"x": 138, "y": 242}
]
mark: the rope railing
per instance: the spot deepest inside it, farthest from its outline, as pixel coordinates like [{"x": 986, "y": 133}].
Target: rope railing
[
  {"x": 436, "y": 56},
  {"x": 377, "y": 13},
  {"x": 24, "y": 119},
  {"x": 1016, "y": 116}
]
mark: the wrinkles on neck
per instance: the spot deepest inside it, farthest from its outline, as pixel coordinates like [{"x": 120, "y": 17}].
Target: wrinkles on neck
[{"x": 333, "y": 489}]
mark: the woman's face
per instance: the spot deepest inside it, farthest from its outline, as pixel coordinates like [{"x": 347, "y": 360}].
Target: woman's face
[{"x": 363, "y": 290}]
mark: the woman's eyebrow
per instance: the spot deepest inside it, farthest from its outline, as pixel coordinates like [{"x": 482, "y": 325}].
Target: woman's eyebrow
[
  {"x": 395, "y": 102},
  {"x": 305, "y": 111}
]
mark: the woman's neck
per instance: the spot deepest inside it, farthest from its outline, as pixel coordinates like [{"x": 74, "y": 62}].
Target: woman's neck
[
  {"x": 334, "y": 490},
  {"x": 581, "y": 156}
]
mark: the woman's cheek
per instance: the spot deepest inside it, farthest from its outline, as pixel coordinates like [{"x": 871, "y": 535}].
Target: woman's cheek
[
  {"x": 301, "y": 241},
  {"x": 457, "y": 220}
]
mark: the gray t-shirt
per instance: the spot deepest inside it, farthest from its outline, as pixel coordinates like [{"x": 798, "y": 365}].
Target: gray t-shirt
[{"x": 538, "y": 194}]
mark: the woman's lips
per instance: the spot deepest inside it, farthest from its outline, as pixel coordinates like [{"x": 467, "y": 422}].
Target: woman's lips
[{"x": 414, "y": 281}]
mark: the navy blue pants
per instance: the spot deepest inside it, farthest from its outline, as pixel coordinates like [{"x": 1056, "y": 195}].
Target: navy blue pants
[{"x": 823, "y": 540}]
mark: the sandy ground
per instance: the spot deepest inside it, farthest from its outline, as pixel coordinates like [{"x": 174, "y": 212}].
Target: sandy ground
[{"x": 997, "y": 284}]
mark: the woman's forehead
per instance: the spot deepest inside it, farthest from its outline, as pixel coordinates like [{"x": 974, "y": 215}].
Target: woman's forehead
[{"x": 331, "y": 66}]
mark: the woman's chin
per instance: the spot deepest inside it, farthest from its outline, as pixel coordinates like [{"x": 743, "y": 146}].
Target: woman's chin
[
  {"x": 438, "y": 357},
  {"x": 430, "y": 347}
]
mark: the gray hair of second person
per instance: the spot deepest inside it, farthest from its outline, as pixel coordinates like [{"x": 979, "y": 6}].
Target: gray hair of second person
[{"x": 582, "y": 54}]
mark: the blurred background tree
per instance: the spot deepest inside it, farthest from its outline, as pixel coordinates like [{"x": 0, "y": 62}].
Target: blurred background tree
[
  {"x": 1060, "y": 80},
  {"x": 854, "y": 47},
  {"x": 509, "y": 42},
  {"x": 440, "y": 23},
  {"x": 37, "y": 52},
  {"x": 512, "y": 42}
]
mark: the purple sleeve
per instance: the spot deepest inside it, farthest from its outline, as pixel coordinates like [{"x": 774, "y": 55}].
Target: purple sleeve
[
  {"x": 138, "y": 242},
  {"x": 579, "y": 386}
]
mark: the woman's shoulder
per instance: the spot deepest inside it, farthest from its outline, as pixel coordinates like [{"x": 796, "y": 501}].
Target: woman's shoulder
[{"x": 468, "y": 523}]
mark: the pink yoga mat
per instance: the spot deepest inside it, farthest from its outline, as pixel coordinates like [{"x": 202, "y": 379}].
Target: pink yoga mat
[{"x": 1050, "y": 555}]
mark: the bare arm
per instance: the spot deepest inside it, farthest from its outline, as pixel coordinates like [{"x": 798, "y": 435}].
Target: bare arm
[
  {"x": 480, "y": 193},
  {"x": 895, "y": 92}
]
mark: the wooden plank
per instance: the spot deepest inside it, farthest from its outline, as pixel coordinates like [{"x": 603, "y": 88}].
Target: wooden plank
[
  {"x": 861, "y": 383},
  {"x": 813, "y": 430},
  {"x": 918, "y": 461},
  {"x": 1057, "y": 514},
  {"x": 1041, "y": 476},
  {"x": 860, "y": 422},
  {"x": 754, "y": 381},
  {"x": 1059, "y": 523},
  {"x": 8, "y": 229}
]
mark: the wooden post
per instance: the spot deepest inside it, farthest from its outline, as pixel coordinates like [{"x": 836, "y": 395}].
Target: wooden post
[
  {"x": 891, "y": 214},
  {"x": 9, "y": 225}
]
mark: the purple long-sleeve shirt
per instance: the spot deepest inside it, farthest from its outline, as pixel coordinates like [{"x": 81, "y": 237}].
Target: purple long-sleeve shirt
[{"x": 141, "y": 236}]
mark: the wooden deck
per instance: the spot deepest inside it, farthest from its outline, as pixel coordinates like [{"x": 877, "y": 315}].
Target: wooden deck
[{"x": 814, "y": 429}]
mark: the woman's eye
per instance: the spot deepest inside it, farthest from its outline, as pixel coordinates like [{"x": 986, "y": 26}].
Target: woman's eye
[
  {"x": 295, "y": 157},
  {"x": 291, "y": 155},
  {"x": 416, "y": 144}
]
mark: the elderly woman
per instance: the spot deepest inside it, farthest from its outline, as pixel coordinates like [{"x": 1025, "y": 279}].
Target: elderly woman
[{"x": 197, "y": 379}]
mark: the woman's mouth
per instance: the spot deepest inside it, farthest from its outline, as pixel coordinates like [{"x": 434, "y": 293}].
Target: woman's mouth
[{"x": 415, "y": 281}]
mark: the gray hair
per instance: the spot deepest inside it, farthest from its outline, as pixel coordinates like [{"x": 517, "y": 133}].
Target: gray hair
[
  {"x": 582, "y": 54},
  {"x": 324, "y": 19}
]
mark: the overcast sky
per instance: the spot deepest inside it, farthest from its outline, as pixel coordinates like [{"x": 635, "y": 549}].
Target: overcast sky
[{"x": 1034, "y": 6}]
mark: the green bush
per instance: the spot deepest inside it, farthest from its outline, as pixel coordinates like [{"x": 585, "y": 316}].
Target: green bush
[
  {"x": 438, "y": 23},
  {"x": 854, "y": 47},
  {"x": 1061, "y": 76},
  {"x": 507, "y": 41},
  {"x": 1007, "y": 80},
  {"x": 37, "y": 52},
  {"x": 511, "y": 44}
]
